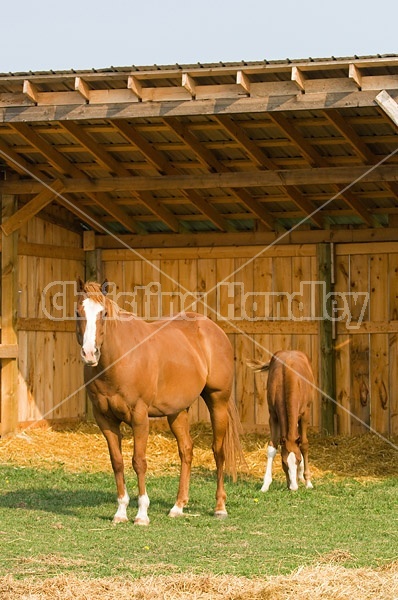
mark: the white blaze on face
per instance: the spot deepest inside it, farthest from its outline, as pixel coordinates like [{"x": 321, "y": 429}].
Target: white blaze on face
[
  {"x": 292, "y": 466},
  {"x": 89, "y": 349}
]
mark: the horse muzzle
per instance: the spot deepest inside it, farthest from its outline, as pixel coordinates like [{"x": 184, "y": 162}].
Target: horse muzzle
[{"x": 91, "y": 358}]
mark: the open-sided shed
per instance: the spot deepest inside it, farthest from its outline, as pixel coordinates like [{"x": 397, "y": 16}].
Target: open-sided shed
[{"x": 272, "y": 187}]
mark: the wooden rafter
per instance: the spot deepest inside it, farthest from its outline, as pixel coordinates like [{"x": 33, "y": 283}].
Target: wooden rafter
[
  {"x": 64, "y": 166},
  {"x": 111, "y": 165},
  {"x": 258, "y": 156},
  {"x": 352, "y": 138},
  {"x": 212, "y": 163},
  {"x": 37, "y": 204},
  {"x": 316, "y": 160},
  {"x": 163, "y": 166}
]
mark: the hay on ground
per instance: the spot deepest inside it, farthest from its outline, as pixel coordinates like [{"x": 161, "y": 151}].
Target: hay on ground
[
  {"x": 318, "y": 582},
  {"x": 83, "y": 449}
]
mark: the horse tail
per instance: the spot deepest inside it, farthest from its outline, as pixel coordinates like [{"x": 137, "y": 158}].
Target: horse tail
[
  {"x": 258, "y": 366},
  {"x": 233, "y": 452}
]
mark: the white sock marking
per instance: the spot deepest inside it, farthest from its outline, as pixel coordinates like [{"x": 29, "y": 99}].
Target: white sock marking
[
  {"x": 121, "y": 513},
  {"x": 142, "y": 514},
  {"x": 271, "y": 453},
  {"x": 292, "y": 466}
]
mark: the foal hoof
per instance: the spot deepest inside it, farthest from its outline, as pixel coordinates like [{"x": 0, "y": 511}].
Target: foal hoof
[
  {"x": 142, "y": 522},
  {"x": 221, "y": 514}
]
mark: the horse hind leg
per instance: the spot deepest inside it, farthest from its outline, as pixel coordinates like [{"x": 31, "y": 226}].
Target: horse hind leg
[
  {"x": 179, "y": 426},
  {"x": 217, "y": 403}
]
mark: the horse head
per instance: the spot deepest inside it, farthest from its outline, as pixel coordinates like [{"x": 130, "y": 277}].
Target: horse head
[{"x": 91, "y": 311}]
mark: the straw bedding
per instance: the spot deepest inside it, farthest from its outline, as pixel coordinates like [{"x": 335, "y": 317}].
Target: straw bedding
[
  {"x": 83, "y": 449},
  {"x": 319, "y": 582}
]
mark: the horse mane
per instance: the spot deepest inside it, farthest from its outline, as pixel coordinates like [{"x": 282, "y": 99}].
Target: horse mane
[{"x": 93, "y": 290}]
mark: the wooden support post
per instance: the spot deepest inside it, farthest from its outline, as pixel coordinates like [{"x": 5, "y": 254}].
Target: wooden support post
[
  {"x": 327, "y": 366},
  {"x": 9, "y": 306}
]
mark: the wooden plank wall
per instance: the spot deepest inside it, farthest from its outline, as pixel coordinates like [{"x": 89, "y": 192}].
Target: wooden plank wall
[
  {"x": 277, "y": 271},
  {"x": 366, "y": 356},
  {"x": 49, "y": 365}
]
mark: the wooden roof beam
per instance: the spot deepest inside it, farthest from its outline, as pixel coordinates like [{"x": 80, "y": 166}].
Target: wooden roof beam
[
  {"x": 135, "y": 87},
  {"x": 58, "y": 160},
  {"x": 205, "y": 156},
  {"x": 316, "y": 160},
  {"x": 82, "y": 87},
  {"x": 388, "y": 105},
  {"x": 161, "y": 164},
  {"x": 22, "y": 166},
  {"x": 250, "y": 147},
  {"x": 304, "y": 205},
  {"x": 208, "y": 158},
  {"x": 24, "y": 214},
  {"x": 62, "y": 164},
  {"x": 243, "y": 81},
  {"x": 103, "y": 156},
  {"x": 299, "y": 78},
  {"x": 117, "y": 212},
  {"x": 258, "y": 156},
  {"x": 189, "y": 84},
  {"x": 355, "y": 74},
  {"x": 245, "y": 179},
  {"x": 31, "y": 91},
  {"x": 352, "y": 138}
]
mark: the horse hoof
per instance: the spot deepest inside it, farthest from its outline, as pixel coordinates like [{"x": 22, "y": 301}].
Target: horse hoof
[
  {"x": 221, "y": 514},
  {"x": 309, "y": 485},
  {"x": 142, "y": 522},
  {"x": 175, "y": 513},
  {"x": 117, "y": 520}
]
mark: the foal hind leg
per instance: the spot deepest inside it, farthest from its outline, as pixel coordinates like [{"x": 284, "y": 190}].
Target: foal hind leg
[
  {"x": 111, "y": 431},
  {"x": 271, "y": 451},
  {"x": 304, "y": 469},
  {"x": 179, "y": 425},
  {"x": 217, "y": 404}
]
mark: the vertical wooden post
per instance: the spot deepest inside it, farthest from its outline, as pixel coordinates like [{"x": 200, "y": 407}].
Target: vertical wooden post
[
  {"x": 9, "y": 307},
  {"x": 327, "y": 362},
  {"x": 93, "y": 272}
]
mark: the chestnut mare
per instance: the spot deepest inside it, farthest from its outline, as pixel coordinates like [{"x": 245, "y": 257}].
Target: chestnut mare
[
  {"x": 290, "y": 391},
  {"x": 135, "y": 370}
]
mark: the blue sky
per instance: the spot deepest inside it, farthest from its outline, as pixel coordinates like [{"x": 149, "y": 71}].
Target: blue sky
[{"x": 84, "y": 34}]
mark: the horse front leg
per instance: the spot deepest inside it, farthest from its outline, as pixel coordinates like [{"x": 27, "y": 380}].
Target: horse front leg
[
  {"x": 111, "y": 432},
  {"x": 179, "y": 425},
  {"x": 141, "y": 431}
]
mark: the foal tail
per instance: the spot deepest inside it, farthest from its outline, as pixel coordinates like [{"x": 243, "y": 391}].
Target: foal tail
[
  {"x": 258, "y": 366},
  {"x": 232, "y": 447}
]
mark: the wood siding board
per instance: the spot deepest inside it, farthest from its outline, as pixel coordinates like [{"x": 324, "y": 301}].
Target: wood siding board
[{"x": 9, "y": 303}]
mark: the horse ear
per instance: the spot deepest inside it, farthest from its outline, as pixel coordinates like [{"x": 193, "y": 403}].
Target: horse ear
[
  {"x": 104, "y": 287},
  {"x": 79, "y": 285}
]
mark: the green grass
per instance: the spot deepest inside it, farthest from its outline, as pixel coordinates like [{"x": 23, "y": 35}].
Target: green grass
[{"x": 54, "y": 522}]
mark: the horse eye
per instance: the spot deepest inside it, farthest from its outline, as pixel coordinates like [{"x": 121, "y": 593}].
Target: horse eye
[{"x": 105, "y": 313}]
